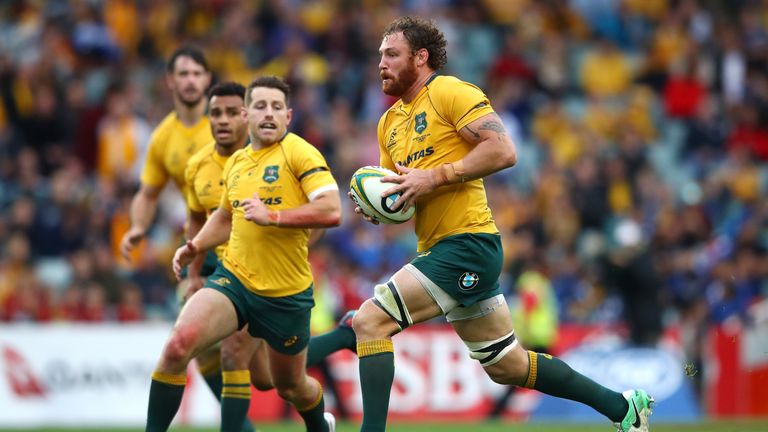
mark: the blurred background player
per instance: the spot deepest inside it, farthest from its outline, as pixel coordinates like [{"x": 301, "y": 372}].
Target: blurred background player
[
  {"x": 183, "y": 132},
  {"x": 534, "y": 318},
  {"x": 275, "y": 190},
  {"x": 451, "y": 123}
]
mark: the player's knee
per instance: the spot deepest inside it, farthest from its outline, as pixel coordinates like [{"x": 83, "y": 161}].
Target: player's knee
[
  {"x": 502, "y": 359},
  {"x": 512, "y": 369},
  {"x": 288, "y": 390},
  {"x": 234, "y": 356},
  {"x": 370, "y": 322},
  {"x": 261, "y": 382},
  {"x": 230, "y": 362},
  {"x": 359, "y": 322},
  {"x": 180, "y": 346}
]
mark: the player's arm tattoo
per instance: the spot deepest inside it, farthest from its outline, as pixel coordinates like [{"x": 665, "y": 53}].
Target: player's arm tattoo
[
  {"x": 491, "y": 123},
  {"x": 494, "y": 126},
  {"x": 474, "y": 134}
]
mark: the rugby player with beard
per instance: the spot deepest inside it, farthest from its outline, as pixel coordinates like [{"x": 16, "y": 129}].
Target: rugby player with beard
[{"x": 443, "y": 137}]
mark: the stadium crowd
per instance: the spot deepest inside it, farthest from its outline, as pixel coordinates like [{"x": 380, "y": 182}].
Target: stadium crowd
[{"x": 641, "y": 128}]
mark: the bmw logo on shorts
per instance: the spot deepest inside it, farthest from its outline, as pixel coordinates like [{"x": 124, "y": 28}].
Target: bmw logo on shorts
[{"x": 468, "y": 280}]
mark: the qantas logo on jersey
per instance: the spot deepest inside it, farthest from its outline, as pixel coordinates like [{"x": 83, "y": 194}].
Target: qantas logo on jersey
[
  {"x": 413, "y": 157},
  {"x": 272, "y": 200}
]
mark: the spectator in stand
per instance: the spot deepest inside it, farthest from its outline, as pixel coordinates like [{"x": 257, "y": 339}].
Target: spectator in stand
[
  {"x": 33, "y": 106},
  {"x": 605, "y": 71},
  {"x": 732, "y": 67},
  {"x": 94, "y": 303},
  {"x": 15, "y": 266},
  {"x": 69, "y": 304},
  {"x": 749, "y": 134},
  {"x": 510, "y": 64},
  {"x": 130, "y": 308},
  {"x": 588, "y": 193},
  {"x": 629, "y": 268},
  {"x": 705, "y": 135},
  {"x": 31, "y": 301},
  {"x": 535, "y": 317},
  {"x": 122, "y": 136},
  {"x": 683, "y": 93}
]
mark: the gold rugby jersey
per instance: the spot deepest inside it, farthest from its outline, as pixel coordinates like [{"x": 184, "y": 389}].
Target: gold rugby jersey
[
  {"x": 424, "y": 134},
  {"x": 171, "y": 146},
  {"x": 204, "y": 183},
  {"x": 272, "y": 261}
]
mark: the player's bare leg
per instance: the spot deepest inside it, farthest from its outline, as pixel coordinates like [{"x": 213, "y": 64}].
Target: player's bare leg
[
  {"x": 258, "y": 365},
  {"x": 289, "y": 375},
  {"x": 374, "y": 328},
  {"x": 492, "y": 342},
  {"x": 209, "y": 361},
  {"x": 205, "y": 319},
  {"x": 236, "y": 353}
]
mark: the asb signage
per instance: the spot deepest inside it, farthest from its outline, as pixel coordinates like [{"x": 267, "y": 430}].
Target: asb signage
[
  {"x": 99, "y": 375},
  {"x": 658, "y": 371}
]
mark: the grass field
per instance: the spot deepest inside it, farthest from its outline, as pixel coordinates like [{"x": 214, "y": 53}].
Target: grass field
[{"x": 730, "y": 426}]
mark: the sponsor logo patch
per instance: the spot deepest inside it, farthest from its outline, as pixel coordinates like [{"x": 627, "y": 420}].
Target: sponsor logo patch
[
  {"x": 468, "y": 280},
  {"x": 270, "y": 174},
  {"x": 291, "y": 340}
]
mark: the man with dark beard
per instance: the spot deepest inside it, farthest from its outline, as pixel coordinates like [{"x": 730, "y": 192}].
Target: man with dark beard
[
  {"x": 183, "y": 132},
  {"x": 443, "y": 137}
]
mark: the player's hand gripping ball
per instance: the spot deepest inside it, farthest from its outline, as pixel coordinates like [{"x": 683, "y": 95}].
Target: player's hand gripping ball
[{"x": 366, "y": 189}]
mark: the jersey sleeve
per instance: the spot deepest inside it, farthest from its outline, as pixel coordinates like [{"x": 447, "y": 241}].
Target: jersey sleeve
[
  {"x": 311, "y": 170},
  {"x": 461, "y": 103},
  {"x": 154, "y": 172},
  {"x": 385, "y": 159},
  {"x": 193, "y": 203}
]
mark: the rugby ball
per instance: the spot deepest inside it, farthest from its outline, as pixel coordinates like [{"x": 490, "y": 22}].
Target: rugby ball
[{"x": 366, "y": 187}]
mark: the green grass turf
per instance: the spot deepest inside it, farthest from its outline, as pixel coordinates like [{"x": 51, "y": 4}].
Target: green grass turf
[{"x": 721, "y": 426}]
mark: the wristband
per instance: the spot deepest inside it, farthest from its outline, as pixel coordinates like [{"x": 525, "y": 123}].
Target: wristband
[
  {"x": 449, "y": 173},
  {"x": 273, "y": 217},
  {"x": 437, "y": 176}
]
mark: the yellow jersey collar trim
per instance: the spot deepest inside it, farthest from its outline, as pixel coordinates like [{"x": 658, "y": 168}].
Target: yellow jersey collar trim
[
  {"x": 221, "y": 160},
  {"x": 406, "y": 107},
  {"x": 253, "y": 151}
]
